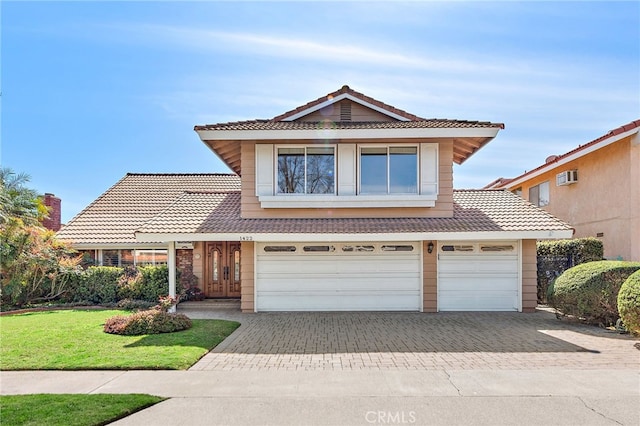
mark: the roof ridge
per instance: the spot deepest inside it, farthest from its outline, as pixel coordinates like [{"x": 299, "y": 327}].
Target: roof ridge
[
  {"x": 347, "y": 90},
  {"x": 179, "y": 174},
  {"x": 233, "y": 191}
]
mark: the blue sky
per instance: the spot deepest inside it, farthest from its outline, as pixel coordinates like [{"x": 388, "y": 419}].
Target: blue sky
[{"x": 93, "y": 90}]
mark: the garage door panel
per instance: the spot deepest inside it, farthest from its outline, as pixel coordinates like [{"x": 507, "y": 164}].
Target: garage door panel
[
  {"x": 338, "y": 280},
  {"x": 480, "y": 284},
  {"x": 477, "y": 280},
  {"x": 337, "y": 302},
  {"x": 487, "y": 302},
  {"x": 330, "y": 285}
]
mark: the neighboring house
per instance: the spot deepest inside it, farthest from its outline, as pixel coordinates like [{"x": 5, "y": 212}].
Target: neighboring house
[
  {"x": 595, "y": 188},
  {"x": 342, "y": 204}
]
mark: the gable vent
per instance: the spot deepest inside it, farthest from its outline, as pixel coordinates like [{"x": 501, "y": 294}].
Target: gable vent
[{"x": 345, "y": 111}]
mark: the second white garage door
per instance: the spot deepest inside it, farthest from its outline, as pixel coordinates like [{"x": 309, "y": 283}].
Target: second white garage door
[
  {"x": 476, "y": 276},
  {"x": 338, "y": 276}
]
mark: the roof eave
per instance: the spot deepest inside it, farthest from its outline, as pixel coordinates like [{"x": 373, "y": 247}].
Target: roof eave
[
  {"x": 329, "y": 133},
  {"x": 344, "y": 237}
]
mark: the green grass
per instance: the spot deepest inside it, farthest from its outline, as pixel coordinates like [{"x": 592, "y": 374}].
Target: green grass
[
  {"x": 70, "y": 410},
  {"x": 74, "y": 340}
]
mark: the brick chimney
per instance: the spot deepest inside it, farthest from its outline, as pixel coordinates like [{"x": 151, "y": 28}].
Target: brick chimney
[{"x": 55, "y": 212}]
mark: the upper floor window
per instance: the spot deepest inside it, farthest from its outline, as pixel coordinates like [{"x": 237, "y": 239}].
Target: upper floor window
[
  {"x": 306, "y": 170},
  {"x": 539, "y": 194},
  {"x": 389, "y": 170}
]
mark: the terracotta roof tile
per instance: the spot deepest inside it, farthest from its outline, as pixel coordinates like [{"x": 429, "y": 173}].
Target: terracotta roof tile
[
  {"x": 474, "y": 211},
  {"x": 434, "y": 123},
  {"x": 132, "y": 201}
]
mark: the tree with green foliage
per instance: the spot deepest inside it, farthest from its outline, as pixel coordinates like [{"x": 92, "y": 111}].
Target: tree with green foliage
[
  {"x": 34, "y": 265},
  {"x": 17, "y": 201}
]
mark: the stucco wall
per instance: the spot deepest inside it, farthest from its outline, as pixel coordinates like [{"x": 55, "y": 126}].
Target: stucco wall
[
  {"x": 634, "y": 198},
  {"x": 429, "y": 278},
  {"x": 602, "y": 201},
  {"x": 247, "y": 276}
]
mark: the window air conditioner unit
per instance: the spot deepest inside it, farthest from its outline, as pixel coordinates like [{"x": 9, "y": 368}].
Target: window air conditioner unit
[{"x": 567, "y": 177}]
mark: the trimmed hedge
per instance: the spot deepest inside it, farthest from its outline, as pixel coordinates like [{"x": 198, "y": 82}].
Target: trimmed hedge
[
  {"x": 589, "y": 291},
  {"x": 555, "y": 257},
  {"x": 103, "y": 285},
  {"x": 629, "y": 303}
]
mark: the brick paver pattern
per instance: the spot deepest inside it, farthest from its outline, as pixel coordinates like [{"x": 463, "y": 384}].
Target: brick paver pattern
[{"x": 414, "y": 341}]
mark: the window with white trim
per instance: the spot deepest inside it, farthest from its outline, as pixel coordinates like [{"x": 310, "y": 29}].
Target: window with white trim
[
  {"x": 306, "y": 170},
  {"x": 539, "y": 194},
  {"x": 389, "y": 170}
]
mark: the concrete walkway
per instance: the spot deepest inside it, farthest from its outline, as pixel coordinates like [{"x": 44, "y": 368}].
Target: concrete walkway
[{"x": 462, "y": 368}]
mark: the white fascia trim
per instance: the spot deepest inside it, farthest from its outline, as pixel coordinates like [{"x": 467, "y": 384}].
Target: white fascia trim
[
  {"x": 345, "y": 201},
  {"x": 415, "y": 236},
  {"x": 329, "y": 134},
  {"x": 338, "y": 99},
  {"x": 122, "y": 246},
  {"x": 572, "y": 157}
]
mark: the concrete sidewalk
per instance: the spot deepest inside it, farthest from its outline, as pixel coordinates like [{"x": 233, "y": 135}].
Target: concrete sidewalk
[{"x": 358, "y": 397}]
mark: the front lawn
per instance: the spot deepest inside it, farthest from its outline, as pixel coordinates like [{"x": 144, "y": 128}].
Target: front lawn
[
  {"x": 74, "y": 340},
  {"x": 70, "y": 410}
]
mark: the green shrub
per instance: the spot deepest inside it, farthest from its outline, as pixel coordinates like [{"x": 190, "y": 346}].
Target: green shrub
[
  {"x": 134, "y": 304},
  {"x": 629, "y": 303},
  {"x": 152, "y": 321},
  {"x": 97, "y": 285},
  {"x": 155, "y": 282},
  {"x": 555, "y": 257},
  {"x": 130, "y": 284},
  {"x": 589, "y": 291}
]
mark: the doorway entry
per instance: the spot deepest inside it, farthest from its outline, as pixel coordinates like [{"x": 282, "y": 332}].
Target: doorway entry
[{"x": 222, "y": 269}]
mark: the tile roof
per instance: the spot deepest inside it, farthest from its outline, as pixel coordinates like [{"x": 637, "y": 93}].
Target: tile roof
[
  {"x": 433, "y": 123},
  {"x": 552, "y": 160},
  {"x": 132, "y": 201},
  {"x": 463, "y": 147},
  {"x": 474, "y": 211}
]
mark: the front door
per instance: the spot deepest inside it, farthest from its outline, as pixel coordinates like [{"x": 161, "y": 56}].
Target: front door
[{"x": 222, "y": 269}]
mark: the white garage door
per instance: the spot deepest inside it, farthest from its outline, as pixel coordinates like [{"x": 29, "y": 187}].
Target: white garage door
[
  {"x": 338, "y": 277},
  {"x": 478, "y": 276}
]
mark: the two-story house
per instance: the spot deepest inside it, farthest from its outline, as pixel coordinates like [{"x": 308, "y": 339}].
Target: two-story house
[
  {"x": 342, "y": 204},
  {"x": 595, "y": 187}
]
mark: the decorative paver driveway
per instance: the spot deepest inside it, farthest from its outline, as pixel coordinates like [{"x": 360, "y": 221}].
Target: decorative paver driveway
[{"x": 414, "y": 341}]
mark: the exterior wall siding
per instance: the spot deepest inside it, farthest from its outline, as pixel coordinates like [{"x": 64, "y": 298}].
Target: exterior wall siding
[
  {"x": 358, "y": 113},
  {"x": 250, "y": 205},
  {"x": 602, "y": 201},
  {"x": 634, "y": 198},
  {"x": 529, "y": 276},
  {"x": 247, "y": 276},
  {"x": 429, "y": 278}
]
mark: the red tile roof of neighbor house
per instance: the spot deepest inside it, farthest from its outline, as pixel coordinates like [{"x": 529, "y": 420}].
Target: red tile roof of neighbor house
[{"x": 551, "y": 161}]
